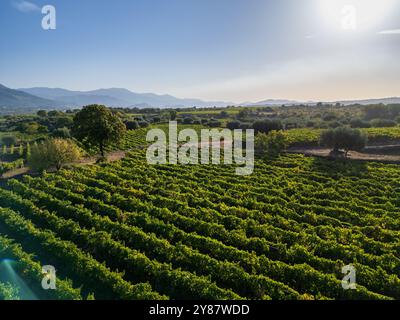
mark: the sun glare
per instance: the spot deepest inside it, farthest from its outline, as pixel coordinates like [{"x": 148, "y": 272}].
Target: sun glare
[{"x": 355, "y": 15}]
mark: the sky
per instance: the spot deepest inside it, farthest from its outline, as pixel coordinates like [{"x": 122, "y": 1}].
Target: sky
[{"x": 229, "y": 50}]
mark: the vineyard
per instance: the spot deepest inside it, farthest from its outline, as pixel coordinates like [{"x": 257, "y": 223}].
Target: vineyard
[
  {"x": 310, "y": 137},
  {"x": 127, "y": 230}
]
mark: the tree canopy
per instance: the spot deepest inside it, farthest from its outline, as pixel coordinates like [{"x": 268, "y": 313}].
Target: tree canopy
[
  {"x": 271, "y": 144},
  {"x": 267, "y": 125},
  {"x": 96, "y": 125},
  {"x": 343, "y": 138},
  {"x": 53, "y": 153}
]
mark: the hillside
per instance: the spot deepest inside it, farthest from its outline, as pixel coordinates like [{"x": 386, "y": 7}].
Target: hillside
[{"x": 16, "y": 99}]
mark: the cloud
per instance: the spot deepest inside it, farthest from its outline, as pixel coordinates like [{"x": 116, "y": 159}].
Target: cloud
[
  {"x": 25, "y": 6},
  {"x": 394, "y": 31}
]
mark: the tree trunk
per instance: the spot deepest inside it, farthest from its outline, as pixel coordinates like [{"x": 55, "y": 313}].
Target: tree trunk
[{"x": 102, "y": 149}]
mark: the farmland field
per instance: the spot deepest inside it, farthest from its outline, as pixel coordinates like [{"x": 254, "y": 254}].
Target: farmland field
[{"x": 128, "y": 230}]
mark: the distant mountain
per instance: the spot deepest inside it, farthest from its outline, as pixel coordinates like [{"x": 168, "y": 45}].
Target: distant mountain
[
  {"x": 392, "y": 100},
  {"x": 280, "y": 102},
  {"x": 117, "y": 97},
  {"x": 10, "y": 98},
  {"x": 57, "y": 98},
  {"x": 273, "y": 102}
]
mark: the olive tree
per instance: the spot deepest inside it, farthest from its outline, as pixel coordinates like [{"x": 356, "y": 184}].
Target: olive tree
[
  {"x": 53, "y": 153},
  {"x": 343, "y": 138}
]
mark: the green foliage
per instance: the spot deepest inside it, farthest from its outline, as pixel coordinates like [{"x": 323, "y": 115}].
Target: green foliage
[
  {"x": 172, "y": 115},
  {"x": 266, "y": 126},
  {"x": 54, "y": 113},
  {"x": 64, "y": 133},
  {"x": 213, "y": 123},
  {"x": 187, "y": 120},
  {"x": 232, "y": 125},
  {"x": 21, "y": 150},
  {"x": 31, "y": 273},
  {"x": 53, "y": 153},
  {"x": 96, "y": 125},
  {"x": 359, "y": 123},
  {"x": 201, "y": 232},
  {"x": 143, "y": 124},
  {"x": 9, "y": 140},
  {"x": 8, "y": 292},
  {"x": 42, "y": 113},
  {"x": 383, "y": 123},
  {"x": 271, "y": 144},
  {"x": 132, "y": 125},
  {"x": 9, "y": 166},
  {"x": 33, "y": 128},
  {"x": 343, "y": 138}
]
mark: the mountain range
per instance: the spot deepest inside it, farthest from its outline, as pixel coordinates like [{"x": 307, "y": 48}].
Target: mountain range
[
  {"x": 15, "y": 98},
  {"x": 30, "y": 99},
  {"x": 116, "y": 97}
]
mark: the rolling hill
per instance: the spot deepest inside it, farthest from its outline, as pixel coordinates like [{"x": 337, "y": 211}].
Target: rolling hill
[{"x": 10, "y": 98}]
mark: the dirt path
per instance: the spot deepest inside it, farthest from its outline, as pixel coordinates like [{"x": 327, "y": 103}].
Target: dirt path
[
  {"x": 111, "y": 157},
  {"x": 353, "y": 155}
]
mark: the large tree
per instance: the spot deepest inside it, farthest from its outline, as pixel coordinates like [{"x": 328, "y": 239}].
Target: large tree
[{"x": 96, "y": 125}]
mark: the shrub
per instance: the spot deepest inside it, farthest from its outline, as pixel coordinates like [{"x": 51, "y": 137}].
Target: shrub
[
  {"x": 42, "y": 113},
  {"x": 271, "y": 144},
  {"x": 156, "y": 120},
  {"x": 9, "y": 140},
  {"x": 329, "y": 117},
  {"x": 143, "y": 124},
  {"x": 383, "y": 123},
  {"x": 187, "y": 121},
  {"x": 214, "y": 123},
  {"x": 132, "y": 125},
  {"x": 266, "y": 126},
  {"x": 54, "y": 113},
  {"x": 62, "y": 133},
  {"x": 310, "y": 124},
  {"x": 53, "y": 153},
  {"x": 232, "y": 125},
  {"x": 334, "y": 124},
  {"x": 245, "y": 126},
  {"x": 359, "y": 123}
]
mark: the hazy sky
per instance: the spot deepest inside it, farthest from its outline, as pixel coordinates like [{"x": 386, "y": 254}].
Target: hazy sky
[{"x": 231, "y": 50}]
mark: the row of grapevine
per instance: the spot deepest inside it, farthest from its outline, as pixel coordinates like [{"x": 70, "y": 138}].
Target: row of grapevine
[{"x": 72, "y": 261}]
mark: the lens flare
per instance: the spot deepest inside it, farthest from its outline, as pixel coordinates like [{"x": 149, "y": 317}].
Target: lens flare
[{"x": 8, "y": 274}]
